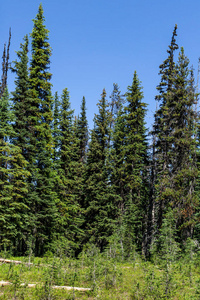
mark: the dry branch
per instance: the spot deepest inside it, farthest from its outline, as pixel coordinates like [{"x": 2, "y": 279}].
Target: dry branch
[
  {"x": 17, "y": 262},
  {"x": 71, "y": 288},
  {"x": 4, "y": 283}
]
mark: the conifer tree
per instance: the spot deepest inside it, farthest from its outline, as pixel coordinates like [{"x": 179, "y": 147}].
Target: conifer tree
[
  {"x": 161, "y": 139},
  {"x": 135, "y": 161},
  {"x": 99, "y": 200},
  {"x": 129, "y": 160},
  {"x": 116, "y": 159},
  {"x": 42, "y": 188},
  {"x": 184, "y": 172},
  {"x": 13, "y": 186},
  {"x": 67, "y": 187},
  {"x": 115, "y": 103},
  {"x": 82, "y": 135},
  {"x": 56, "y": 128},
  {"x": 174, "y": 132},
  {"x": 23, "y": 111},
  {"x": 21, "y": 99},
  {"x": 83, "y": 130}
]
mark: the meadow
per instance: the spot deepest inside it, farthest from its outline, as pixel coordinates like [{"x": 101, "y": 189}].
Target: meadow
[{"x": 105, "y": 275}]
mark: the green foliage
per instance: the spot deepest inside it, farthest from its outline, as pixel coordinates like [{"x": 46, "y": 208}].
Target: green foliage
[
  {"x": 98, "y": 195},
  {"x": 56, "y": 129},
  {"x": 82, "y": 131},
  {"x": 41, "y": 187},
  {"x": 69, "y": 179},
  {"x": 13, "y": 187},
  {"x": 116, "y": 103},
  {"x": 100, "y": 271},
  {"x": 165, "y": 247},
  {"x": 61, "y": 189},
  {"x": 130, "y": 158},
  {"x": 175, "y": 144}
]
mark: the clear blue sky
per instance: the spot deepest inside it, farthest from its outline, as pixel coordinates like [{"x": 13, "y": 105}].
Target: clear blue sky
[{"x": 98, "y": 42}]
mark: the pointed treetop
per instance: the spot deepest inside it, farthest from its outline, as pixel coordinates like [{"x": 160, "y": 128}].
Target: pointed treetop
[
  {"x": 135, "y": 90},
  {"x": 40, "y": 32},
  {"x": 173, "y": 46}
]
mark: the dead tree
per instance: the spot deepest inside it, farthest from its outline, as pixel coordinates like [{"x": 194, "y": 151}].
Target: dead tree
[{"x": 5, "y": 66}]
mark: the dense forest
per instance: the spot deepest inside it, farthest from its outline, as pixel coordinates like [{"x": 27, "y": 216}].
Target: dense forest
[{"x": 65, "y": 187}]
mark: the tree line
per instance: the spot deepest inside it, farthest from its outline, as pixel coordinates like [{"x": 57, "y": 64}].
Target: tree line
[{"x": 63, "y": 186}]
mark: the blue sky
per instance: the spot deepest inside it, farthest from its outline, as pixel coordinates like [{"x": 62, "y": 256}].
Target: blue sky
[{"x": 98, "y": 42}]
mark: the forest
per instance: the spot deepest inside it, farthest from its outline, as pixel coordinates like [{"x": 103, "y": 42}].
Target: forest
[{"x": 116, "y": 197}]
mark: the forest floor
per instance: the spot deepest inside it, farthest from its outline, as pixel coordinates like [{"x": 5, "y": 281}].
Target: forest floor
[{"x": 106, "y": 277}]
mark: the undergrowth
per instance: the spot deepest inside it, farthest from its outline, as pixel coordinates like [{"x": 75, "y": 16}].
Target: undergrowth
[{"x": 108, "y": 277}]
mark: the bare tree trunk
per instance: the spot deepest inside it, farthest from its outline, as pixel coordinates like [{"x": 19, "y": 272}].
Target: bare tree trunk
[{"x": 5, "y": 65}]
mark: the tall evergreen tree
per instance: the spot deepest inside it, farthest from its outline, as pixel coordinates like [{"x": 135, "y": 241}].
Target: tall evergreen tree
[
  {"x": 56, "y": 126},
  {"x": 68, "y": 182},
  {"x": 174, "y": 132},
  {"x": 162, "y": 141},
  {"x": 42, "y": 192},
  {"x": 13, "y": 187},
  {"x": 99, "y": 200},
  {"x": 23, "y": 110},
  {"x": 129, "y": 160},
  {"x": 115, "y": 103},
  {"x": 83, "y": 134},
  {"x": 116, "y": 160},
  {"x": 184, "y": 172},
  {"x": 22, "y": 101},
  {"x": 135, "y": 160}
]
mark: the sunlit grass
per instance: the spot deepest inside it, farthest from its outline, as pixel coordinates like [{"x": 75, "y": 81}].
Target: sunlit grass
[{"x": 107, "y": 278}]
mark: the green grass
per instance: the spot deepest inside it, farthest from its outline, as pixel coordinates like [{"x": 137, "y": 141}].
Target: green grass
[{"x": 108, "y": 278}]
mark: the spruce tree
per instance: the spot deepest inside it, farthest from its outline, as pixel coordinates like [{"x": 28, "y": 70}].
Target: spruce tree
[
  {"x": 174, "y": 132},
  {"x": 13, "y": 186},
  {"x": 128, "y": 171},
  {"x": 116, "y": 159},
  {"x": 56, "y": 128},
  {"x": 83, "y": 131},
  {"x": 135, "y": 163},
  {"x": 82, "y": 134},
  {"x": 42, "y": 192},
  {"x": 162, "y": 141},
  {"x": 22, "y": 101},
  {"x": 116, "y": 103},
  {"x": 67, "y": 186},
  {"x": 99, "y": 199},
  {"x": 184, "y": 172},
  {"x": 23, "y": 111}
]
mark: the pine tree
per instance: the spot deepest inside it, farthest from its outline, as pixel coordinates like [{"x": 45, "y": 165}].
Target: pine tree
[{"x": 42, "y": 192}]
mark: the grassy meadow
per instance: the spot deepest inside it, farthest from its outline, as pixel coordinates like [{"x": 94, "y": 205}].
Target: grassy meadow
[{"x": 108, "y": 277}]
